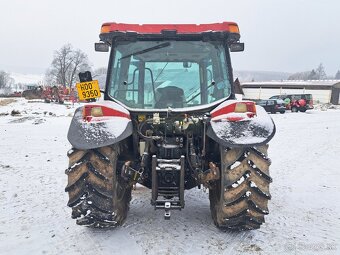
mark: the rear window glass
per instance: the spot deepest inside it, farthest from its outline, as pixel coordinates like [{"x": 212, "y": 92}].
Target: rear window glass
[
  {"x": 261, "y": 102},
  {"x": 296, "y": 97}
]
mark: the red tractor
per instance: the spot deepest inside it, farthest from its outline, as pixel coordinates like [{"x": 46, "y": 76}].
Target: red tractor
[{"x": 170, "y": 122}]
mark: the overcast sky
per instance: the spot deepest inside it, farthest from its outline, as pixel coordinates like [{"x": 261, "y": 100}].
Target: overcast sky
[{"x": 280, "y": 35}]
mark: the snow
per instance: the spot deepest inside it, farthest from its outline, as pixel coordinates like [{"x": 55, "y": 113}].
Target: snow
[
  {"x": 177, "y": 167},
  {"x": 34, "y": 219},
  {"x": 254, "y": 130},
  {"x": 99, "y": 131},
  {"x": 36, "y": 108}
]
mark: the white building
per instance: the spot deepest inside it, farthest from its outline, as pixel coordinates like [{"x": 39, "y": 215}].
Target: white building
[{"x": 323, "y": 91}]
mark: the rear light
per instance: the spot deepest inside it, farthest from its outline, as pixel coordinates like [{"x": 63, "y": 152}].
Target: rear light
[
  {"x": 96, "y": 111},
  {"x": 86, "y": 112},
  {"x": 91, "y": 111},
  {"x": 240, "y": 107},
  {"x": 235, "y": 111},
  {"x": 105, "y": 29},
  {"x": 233, "y": 28}
]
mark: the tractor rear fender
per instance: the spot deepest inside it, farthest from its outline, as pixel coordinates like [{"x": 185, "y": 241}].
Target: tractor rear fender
[
  {"x": 231, "y": 129},
  {"x": 99, "y": 124}
]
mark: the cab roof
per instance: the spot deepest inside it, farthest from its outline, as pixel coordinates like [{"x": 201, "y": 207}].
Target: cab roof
[
  {"x": 179, "y": 28},
  {"x": 110, "y": 30}
]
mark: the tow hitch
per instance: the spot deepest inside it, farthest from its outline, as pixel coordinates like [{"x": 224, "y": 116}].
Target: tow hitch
[{"x": 168, "y": 184}]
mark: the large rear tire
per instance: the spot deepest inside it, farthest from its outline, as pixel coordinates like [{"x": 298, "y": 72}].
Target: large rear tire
[
  {"x": 97, "y": 195},
  {"x": 239, "y": 200}
]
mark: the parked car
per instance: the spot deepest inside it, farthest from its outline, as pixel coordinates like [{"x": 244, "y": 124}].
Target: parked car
[
  {"x": 296, "y": 102},
  {"x": 272, "y": 105}
]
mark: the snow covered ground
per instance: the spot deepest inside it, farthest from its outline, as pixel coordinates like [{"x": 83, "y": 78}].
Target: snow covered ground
[{"x": 304, "y": 211}]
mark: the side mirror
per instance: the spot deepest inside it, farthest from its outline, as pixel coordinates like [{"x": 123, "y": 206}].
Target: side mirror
[
  {"x": 101, "y": 47},
  {"x": 236, "y": 47}
]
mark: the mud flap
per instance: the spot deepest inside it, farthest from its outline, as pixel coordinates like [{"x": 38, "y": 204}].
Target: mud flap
[
  {"x": 246, "y": 133},
  {"x": 89, "y": 135}
]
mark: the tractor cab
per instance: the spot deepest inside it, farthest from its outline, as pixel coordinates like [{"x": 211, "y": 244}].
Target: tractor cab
[{"x": 169, "y": 66}]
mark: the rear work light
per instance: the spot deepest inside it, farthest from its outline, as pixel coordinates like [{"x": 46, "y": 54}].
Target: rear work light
[{"x": 235, "y": 111}]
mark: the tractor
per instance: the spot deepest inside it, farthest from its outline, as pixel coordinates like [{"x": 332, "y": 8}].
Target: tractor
[{"x": 169, "y": 121}]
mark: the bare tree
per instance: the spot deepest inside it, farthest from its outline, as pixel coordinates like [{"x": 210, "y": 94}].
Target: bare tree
[
  {"x": 6, "y": 81},
  {"x": 99, "y": 71},
  {"x": 100, "y": 75},
  {"x": 320, "y": 72},
  {"x": 316, "y": 74},
  {"x": 66, "y": 65},
  {"x": 300, "y": 76}
]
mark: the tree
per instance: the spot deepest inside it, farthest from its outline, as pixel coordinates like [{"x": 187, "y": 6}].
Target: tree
[
  {"x": 300, "y": 76},
  {"x": 100, "y": 75},
  {"x": 337, "y": 75},
  {"x": 313, "y": 75},
  {"x": 99, "y": 71},
  {"x": 320, "y": 72},
  {"x": 316, "y": 74},
  {"x": 6, "y": 81},
  {"x": 66, "y": 65}
]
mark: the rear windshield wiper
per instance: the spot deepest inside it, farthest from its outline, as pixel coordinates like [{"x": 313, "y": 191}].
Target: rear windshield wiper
[{"x": 159, "y": 46}]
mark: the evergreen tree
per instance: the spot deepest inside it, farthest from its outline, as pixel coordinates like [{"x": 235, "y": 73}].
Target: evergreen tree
[
  {"x": 320, "y": 72},
  {"x": 313, "y": 75},
  {"x": 337, "y": 75}
]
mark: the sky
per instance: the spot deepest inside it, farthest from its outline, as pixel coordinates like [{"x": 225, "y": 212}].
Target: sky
[{"x": 281, "y": 35}]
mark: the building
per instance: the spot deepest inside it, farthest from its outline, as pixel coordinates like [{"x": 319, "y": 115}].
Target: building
[{"x": 323, "y": 91}]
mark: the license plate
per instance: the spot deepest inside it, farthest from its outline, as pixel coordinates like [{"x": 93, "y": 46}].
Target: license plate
[{"x": 88, "y": 90}]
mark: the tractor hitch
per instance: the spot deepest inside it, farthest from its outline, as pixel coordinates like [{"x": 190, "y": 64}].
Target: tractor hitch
[{"x": 168, "y": 184}]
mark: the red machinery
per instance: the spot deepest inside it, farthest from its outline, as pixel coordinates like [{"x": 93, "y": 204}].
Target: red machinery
[{"x": 58, "y": 94}]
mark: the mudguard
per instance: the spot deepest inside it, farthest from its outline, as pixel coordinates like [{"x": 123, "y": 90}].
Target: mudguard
[
  {"x": 93, "y": 132},
  {"x": 247, "y": 132}
]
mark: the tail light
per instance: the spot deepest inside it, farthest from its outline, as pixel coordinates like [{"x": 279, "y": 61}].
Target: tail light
[
  {"x": 235, "y": 111},
  {"x": 96, "y": 111},
  {"x": 90, "y": 111}
]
